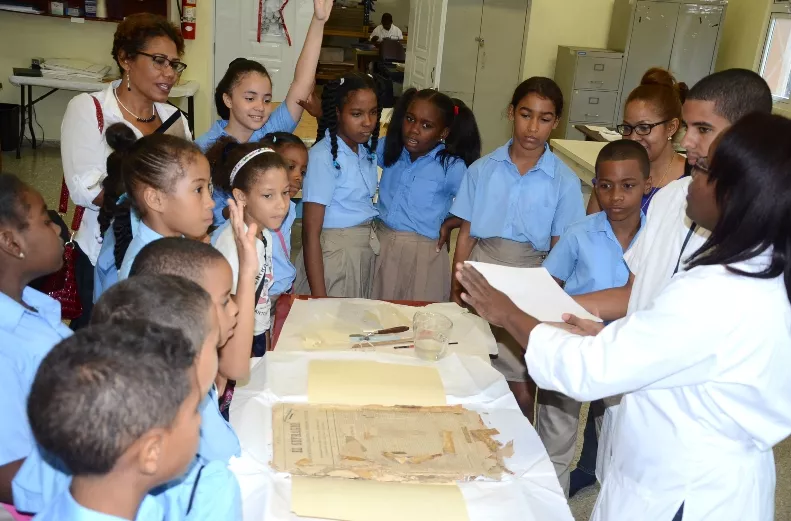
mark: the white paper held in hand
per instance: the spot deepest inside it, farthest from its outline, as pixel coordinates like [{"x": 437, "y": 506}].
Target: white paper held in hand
[{"x": 533, "y": 290}]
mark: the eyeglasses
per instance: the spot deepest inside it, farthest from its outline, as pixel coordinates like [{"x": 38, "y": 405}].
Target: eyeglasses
[
  {"x": 160, "y": 62},
  {"x": 643, "y": 129}
]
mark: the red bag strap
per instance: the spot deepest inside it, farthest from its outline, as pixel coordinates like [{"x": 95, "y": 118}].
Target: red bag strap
[
  {"x": 282, "y": 240},
  {"x": 63, "y": 205}
]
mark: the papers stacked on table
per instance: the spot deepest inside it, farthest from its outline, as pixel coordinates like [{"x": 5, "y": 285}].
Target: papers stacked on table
[{"x": 68, "y": 69}]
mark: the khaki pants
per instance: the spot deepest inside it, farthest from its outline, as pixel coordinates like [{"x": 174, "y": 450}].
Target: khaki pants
[{"x": 557, "y": 424}]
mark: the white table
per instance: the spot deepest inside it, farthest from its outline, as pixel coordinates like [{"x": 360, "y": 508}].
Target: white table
[
  {"x": 580, "y": 156},
  {"x": 183, "y": 90},
  {"x": 532, "y": 493}
]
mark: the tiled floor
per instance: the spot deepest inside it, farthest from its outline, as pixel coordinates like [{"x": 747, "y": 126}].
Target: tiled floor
[{"x": 42, "y": 169}]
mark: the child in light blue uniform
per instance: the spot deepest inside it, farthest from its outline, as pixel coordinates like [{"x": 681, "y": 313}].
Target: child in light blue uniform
[
  {"x": 338, "y": 242},
  {"x": 589, "y": 257},
  {"x": 152, "y": 372},
  {"x": 431, "y": 141},
  {"x": 515, "y": 202},
  {"x": 29, "y": 320},
  {"x": 167, "y": 184},
  {"x": 184, "y": 305},
  {"x": 243, "y": 98}
]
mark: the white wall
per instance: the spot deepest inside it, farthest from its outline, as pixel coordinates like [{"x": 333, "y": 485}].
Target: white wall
[{"x": 398, "y": 8}]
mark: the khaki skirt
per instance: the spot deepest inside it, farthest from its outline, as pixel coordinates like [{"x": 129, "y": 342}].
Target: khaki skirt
[
  {"x": 409, "y": 268},
  {"x": 348, "y": 263},
  {"x": 510, "y": 359}
]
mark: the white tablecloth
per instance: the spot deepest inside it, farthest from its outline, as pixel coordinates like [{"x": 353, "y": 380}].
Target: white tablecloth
[
  {"x": 532, "y": 493},
  {"x": 181, "y": 90},
  {"x": 310, "y": 321}
]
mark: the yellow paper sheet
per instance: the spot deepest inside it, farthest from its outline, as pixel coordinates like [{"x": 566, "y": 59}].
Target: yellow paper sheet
[
  {"x": 357, "y": 500},
  {"x": 359, "y": 382}
]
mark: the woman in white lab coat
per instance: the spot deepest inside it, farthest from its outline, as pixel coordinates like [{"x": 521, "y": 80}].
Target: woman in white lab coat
[{"x": 705, "y": 367}]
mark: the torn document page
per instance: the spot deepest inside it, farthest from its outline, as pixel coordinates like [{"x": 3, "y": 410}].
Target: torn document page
[{"x": 403, "y": 444}]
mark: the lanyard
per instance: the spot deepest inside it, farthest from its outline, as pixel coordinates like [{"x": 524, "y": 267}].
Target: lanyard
[{"x": 683, "y": 246}]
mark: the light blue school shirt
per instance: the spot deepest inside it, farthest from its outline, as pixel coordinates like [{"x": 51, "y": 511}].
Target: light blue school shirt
[
  {"x": 26, "y": 337},
  {"x": 218, "y": 441},
  {"x": 65, "y": 508},
  {"x": 279, "y": 121},
  {"x": 498, "y": 202},
  {"x": 347, "y": 193},
  {"x": 416, "y": 196},
  {"x": 283, "y": 271},
  {"x": 145, "y": 235},
  {"x": 589, "y": 257},
  {"x": 217, "y": 495},
  {"x": 105, "y": 273}
]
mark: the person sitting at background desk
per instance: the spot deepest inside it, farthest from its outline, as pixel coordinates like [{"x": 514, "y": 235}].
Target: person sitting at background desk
[{"x": 386, "y": 30}]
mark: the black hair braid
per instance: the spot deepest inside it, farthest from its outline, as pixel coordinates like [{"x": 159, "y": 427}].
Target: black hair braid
[
  {"x": 122, "y": 229},
  {"x": 378, "y": 82},
  {"x": 329, "y": 118}
]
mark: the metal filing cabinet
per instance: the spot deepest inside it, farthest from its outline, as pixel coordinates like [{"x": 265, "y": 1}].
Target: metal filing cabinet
[
  {"x": 590, "y": 80},
  {"x": 679, "y": 35}
]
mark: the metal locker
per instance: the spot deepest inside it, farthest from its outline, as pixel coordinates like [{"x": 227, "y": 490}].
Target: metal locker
[
  {"x": 695, "y": 45},
  {"x": 651, "y": 43}
]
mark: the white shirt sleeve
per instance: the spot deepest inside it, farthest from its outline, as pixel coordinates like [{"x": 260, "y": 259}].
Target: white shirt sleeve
[
  {"x": 226, "y": 245},
  {"x": 674, "y": 339},
  {"x": 398, "y": 34},
  {"x": 377, "y": 32},
  {"x": 83, "y": 151}
]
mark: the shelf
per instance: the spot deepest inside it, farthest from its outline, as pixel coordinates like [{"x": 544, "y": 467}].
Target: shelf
[
  {"x": 329, "y": 31},
  {"x": 86, "y": 18}
]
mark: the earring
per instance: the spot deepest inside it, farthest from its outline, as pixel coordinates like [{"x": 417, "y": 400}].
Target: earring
[
  {"x": 21, "y": 255},
  {"x": 669, "y": 138},
  {"x": 128, "y": 84}
]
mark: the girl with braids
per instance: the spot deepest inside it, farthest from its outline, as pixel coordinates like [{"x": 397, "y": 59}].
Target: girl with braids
[
  {"x": 166, "y": 181},
  {"x": 244, "y": 98},
  {"x": 431, "y": 141},
  {"x": 256, "y": 176},
  {"x": 339, "y": 244}
]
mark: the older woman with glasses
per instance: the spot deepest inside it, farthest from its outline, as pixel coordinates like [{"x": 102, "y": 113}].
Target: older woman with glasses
[
  {"x": 652, "y": 117},
  {"x": 148, "y": 50}
]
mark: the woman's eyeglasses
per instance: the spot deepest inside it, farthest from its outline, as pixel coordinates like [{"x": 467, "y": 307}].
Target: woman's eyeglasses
[
  {"x": 643, "y": 129},
  {"x": 160, "y": 62}
]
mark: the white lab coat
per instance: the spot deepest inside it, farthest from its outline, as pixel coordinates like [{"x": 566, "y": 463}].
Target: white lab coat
[
  {"x": 706, "y": 369},
  {"x": 652, "y": 258}
]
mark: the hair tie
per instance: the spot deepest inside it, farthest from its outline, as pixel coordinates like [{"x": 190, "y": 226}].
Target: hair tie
[
  {"x": 336, "y": 165},
  {"x": 245, "y": 159},
  {"x": 121, "y": 198},
  {"x": 455, "y": 110}
]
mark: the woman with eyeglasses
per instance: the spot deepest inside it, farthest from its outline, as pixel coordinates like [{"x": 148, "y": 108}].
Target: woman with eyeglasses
[
  {"x": 148, "y": 50},
  {"x": 652, "y": 117}
]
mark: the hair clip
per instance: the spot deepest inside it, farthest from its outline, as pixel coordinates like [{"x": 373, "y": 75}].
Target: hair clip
[
  {"x": 274, "y": 139},
  {"x": 341, "y": 82},
  {"x": 123, "y": 197},
  {"x": 336, "y": 165},
  {"x": 455, "y": 110}
]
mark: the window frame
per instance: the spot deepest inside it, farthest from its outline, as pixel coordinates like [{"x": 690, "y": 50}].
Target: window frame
[{"x": 780, "y": 10}]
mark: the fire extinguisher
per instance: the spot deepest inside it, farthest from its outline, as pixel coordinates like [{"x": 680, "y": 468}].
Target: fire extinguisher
[{"x": 188, "y": 19}]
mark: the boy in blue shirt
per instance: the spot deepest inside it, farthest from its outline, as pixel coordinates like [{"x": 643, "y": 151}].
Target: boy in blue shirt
[
  {"x": 118, "y": 405},
  {"x": 589, "y": 257}
]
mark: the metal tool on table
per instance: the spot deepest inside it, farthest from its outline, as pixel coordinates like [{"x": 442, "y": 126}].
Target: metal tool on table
[{"x": 379, "y": 337}]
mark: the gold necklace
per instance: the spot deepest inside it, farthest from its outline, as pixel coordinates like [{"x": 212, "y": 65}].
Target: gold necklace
[
  {"x": 656, "y": 188},
  {"x": 138, "y": 118}
]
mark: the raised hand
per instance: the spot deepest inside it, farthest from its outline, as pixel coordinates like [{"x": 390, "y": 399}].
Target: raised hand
[
  {"x": 245, "y": 240},
  {"x": 322, "y": 9}
]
